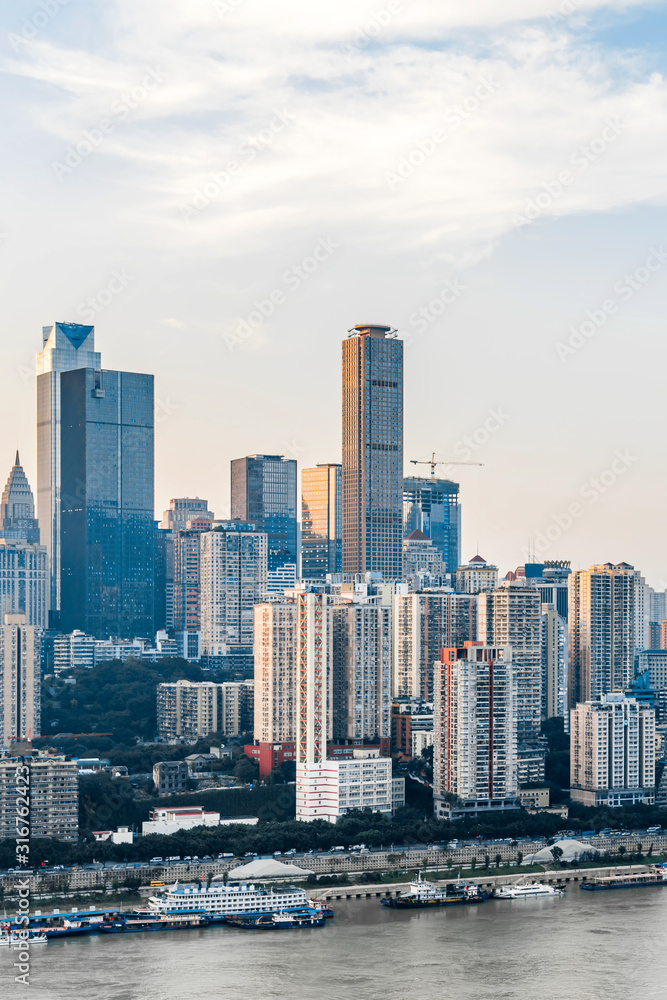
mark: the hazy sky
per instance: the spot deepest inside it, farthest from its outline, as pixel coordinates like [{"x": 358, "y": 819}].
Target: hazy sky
[{"x": 224, "y": 188}]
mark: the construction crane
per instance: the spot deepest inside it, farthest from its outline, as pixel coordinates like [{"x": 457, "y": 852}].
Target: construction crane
[{"x": 432, "y": 462}]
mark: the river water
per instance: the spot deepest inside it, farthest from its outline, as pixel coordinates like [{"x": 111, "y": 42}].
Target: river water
[{"x": 610, "y": 945}]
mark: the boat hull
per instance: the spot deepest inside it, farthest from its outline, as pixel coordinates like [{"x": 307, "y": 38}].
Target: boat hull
[
  {"x": 430, "y": 904},
  {"x": 591, "y": 887}
]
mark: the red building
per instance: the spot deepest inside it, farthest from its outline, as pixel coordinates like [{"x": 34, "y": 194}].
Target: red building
[{"x": 270, "y": 755}]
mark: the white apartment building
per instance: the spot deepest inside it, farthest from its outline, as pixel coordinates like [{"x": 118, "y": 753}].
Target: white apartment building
[
  {"x": 477, "y": 577},
  {"x": 193, "y": 709},
  {"x": 421, "y": 739},
  {"x": 332, "y": 788},
  {"x": 72, "y": 651},
  {"x": 20, "y": 680},
  {"x": 54, "y": 796},
  {"x": 423, "y": 624},
  {"x": 174, "y": 819},
  {"x": 613, "y": 750},
  {"x": 511, "y": 616},
  {"x": 555, "y": 665},
  {"x": 474, "y": 724},
  {"x": 605, "y": 609},
  {"x": 275, "y": 652},
  {"x": 233, "y": 581}
]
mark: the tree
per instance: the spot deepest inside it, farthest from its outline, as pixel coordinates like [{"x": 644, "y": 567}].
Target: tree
[
  {"x": 473, "y": 863},
  {"x": 621, "y": 850},
  {"x": 557, "y": 854},
  {"x": 519, "y": 858},
  {"x": 487, "y": 862},
  {"x": 498, "y": 859}
]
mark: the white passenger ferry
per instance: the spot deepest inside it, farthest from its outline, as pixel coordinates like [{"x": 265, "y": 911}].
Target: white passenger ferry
[
  {"x": 528, "y": 891},
  {"x": 219, "y": 900}
]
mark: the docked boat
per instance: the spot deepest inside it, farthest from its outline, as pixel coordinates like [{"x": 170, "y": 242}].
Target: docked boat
[
  {"x": 219, "y": 901},
  {"x": 627, "y": 880},
  {"x": 69, "y": 928},
  {"x": 528, "y": 891},
  {"x": 11, "y": 938},
  {"x": 122, "y": 923},
  {"x": 278, "y": 921},
  {"x": 423, "y": 895},
  {"x": 326, "y": 910}
]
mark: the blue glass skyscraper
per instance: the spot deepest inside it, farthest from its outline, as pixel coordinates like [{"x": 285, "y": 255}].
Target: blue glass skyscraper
[
  {"x": 264, "y": 494},
  {"x": 107, "y": 527}
]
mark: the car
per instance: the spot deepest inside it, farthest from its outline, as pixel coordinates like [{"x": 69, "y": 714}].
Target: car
[
  {"x": 155, "y": 861},
  {"x": 654, "y": 829},
  {"x": 277, "y": 854}
]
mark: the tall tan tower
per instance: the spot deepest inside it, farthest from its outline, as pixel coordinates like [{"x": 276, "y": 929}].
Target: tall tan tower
[
  {"x": 373, "y": 451},
  {"x": 19, "y": 680}
]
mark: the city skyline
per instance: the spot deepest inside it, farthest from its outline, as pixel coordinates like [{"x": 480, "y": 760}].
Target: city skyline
[{"x": 441, "y": 253}]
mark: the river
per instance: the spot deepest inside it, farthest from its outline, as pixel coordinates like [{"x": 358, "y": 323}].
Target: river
[{"x": 610, "y": 945}]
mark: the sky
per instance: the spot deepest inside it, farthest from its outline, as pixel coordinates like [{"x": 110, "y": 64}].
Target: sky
[{"x": 225, "y": 187}]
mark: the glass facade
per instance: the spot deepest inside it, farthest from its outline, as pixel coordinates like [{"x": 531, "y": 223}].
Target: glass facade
[
  {"x": 264, "y": 494},
  {"x": 107, "y": 522},
  {"x": 321, "y": 521},
  {"x": 432, "y": 506},
  {"x": 373, "y": 452}
]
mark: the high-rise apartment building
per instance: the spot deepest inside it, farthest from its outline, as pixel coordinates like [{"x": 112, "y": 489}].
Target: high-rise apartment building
[
  {"x": 551, "y": 579},
  {"x": 423, "y": 625},
  {"x": 20, "y": 680},
  {"x": 186, "y": 568},
  {"x": 477, "y": 577},
  {"x": 54, "y": 796},
  {"x": 474, "y": 726},
  {"x": 107, "y": 525},
  {"x": 512, "y": 616},
  {"x": 612, "y": 752},
  {"x": 233, "y": 580},
  {"x": 194, "y": 709},
  {"x": 66, "y": 346},
  {"x": 432, "y": 506},
  {"x": 555, "y": 665},
  {"x": 73, "y": 651},
  {"x": 361, "y": 678},
  {"x": 264, "y": 493},
  {"x": 603, "y": 630},
  {"x": 275, "y": 654},
  {"x": 321, "y": 521},
  {"x": 183, "y": 513},
  {"x": 372, "y": 476}
]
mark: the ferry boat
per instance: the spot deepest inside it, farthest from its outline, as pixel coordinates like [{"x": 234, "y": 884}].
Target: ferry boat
[
  {"x": 528, "y": 891},
  {"x": 219, "y": 901},
  {"x": 278, "y": 921},
  {"x": 627, "y": 880},
  {"x": 325, "y": 909},
  {"x": 10, "y": 938},
  {"x": 69, "y": 928},
  {"x": 121, "y": 923},
  {"x": 424, "y": 894}
]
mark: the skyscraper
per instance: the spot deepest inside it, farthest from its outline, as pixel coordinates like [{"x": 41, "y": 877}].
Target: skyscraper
[
  {"x": 432, "y": 506},
  {"x": 66, "y": 346},
  {"x": 423, "y": 625},
  {"x": 512, "y": 616},
  {"x": 264, "y": 494},
  {"x": 19, "y": 680},
  {"x": 555, "y": 665},
  {"x": 24, "y": 564},
  {"x": 603, "y": 630},
  {"x": 474, "y": 725},
  {"x": 17, "y": 508},
  {"x": 321, "y": 521},
  {"x": 233, "y": 581},
  {"x": 181, "y": 511},
  {"x": 361, "y": 674},
  {"x": 372, "y": 476},
  {"x": 106, "y": 503}
]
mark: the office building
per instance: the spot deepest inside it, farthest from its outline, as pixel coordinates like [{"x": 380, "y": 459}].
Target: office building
[
  {"x": 423, "y": 625},
  {"x": 321, "y": 521},
  {"x": 420, "y": 556},
  {"x": 474, "y": 725},
  {"x": 372, "y": 475},
  {"x": 20, "y": 680},
  {"x": 551, "y": 580},
  {"x": 106, "y": 506},
  {"x": 66, "y": 346},
  {"x": 24, "y": 565},
  {"x": 54, "y": 796},
  {"x": 432, "y": 506},
  {"x": 264, "y": 494},
  {"x": 555, "y": 665},
  {"x": 511, "y": 616},
  {"x": 73, "y": 651},
  {"x": 612, "y": 752},
  {"x": 603, "y": 625},
  {"x": 182, "y": 511},
  {"x": 192, "y": 710},
  {"x": 233, "y": 581},
  {"x": 281, "y": 579},
  {"x": 17, "y": 508},
  {"x": 477, "y": 577}
]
